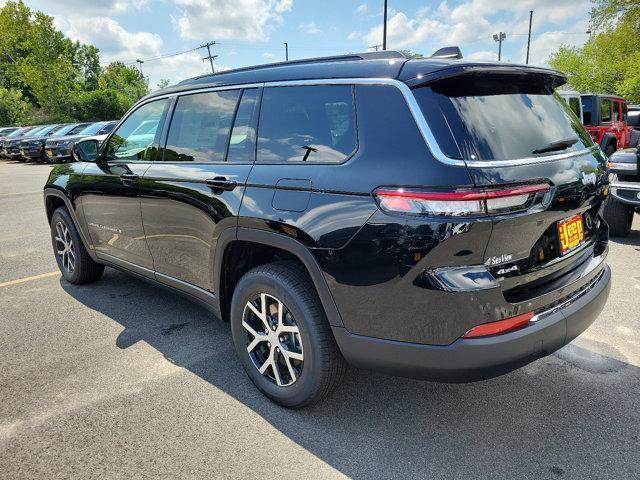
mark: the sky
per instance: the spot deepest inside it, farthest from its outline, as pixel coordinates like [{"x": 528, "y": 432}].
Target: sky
[{"x": 250, "y": 32}]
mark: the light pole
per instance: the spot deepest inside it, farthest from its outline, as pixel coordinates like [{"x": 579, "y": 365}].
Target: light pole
[
  {"x": 140, "y": 62},
  {"x": 286, "y": 51},
  {"x": 499, "y": 38},
  {"x": 384, "y": 28},
  {"x": 529, "y": 38}
]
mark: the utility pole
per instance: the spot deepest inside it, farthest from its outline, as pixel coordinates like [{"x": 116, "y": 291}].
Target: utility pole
[
  {"x": 209, "y": 56},
  {"x": 384, "y": 28},
  {"x": 286, "y": 51},
  {"x": 140, "y": 62},
  {"x": 499, "y": 38},
  {"x": 529, "y": 39},
  {"x": 376, "y": 47}
]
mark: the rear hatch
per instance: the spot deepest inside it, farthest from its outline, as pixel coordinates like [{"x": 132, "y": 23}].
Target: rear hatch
[{"x": 513, "y": 132}]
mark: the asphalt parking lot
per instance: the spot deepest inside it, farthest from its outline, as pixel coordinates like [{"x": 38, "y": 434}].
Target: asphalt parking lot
[{"x": 120, "y": 379}]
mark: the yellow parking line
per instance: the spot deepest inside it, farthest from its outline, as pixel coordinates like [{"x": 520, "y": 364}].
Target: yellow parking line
[{"x": 28, "y": 279}]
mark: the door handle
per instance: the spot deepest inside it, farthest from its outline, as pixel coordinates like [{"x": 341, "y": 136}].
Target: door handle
[
  {"x": 129, "y": 178},
  {"x": 221, "y": 183}
]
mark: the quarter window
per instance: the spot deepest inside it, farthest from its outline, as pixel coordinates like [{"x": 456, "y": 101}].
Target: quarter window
[
  {"x": 307, "y": 124},
  {"x": 200, "y": 127},
  {"x": 134, "y": 138},
  {"x": 605, "y": 110}
]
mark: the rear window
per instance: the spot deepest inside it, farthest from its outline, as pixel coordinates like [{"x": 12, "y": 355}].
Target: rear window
[
  {"x": 499, "y": 117},
  {"x": 307, "y": 124}
]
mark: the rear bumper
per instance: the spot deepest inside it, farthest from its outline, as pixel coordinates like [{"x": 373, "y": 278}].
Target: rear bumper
[{"x": 477, "y": 359}]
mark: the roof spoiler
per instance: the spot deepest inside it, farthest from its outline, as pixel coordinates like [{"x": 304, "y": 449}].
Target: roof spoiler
[{"x": 447, "y": 52}]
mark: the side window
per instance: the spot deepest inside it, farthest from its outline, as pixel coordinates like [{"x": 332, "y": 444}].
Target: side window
[
  {"x": 624, "y": 112},
  {"x": 200, "y": 127},
  {"x": 605, "y": 110},
  {"x": 242, "y": 144},
  {"x": 307, "y": 123},
  {"x": 574, "y": 104},
  {"x": 133, "y": 139}
]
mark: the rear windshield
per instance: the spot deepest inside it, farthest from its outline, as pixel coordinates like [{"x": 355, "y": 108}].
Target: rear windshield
[{"x": 499, "y": 117}]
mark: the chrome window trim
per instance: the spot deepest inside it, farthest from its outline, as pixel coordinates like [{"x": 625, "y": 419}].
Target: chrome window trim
[{"x": 414, "y": 108}]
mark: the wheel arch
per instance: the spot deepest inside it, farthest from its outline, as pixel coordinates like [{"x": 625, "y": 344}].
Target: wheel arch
[
  {"x": 55, "y": 198},
  {"x": 262, "y": 238}
]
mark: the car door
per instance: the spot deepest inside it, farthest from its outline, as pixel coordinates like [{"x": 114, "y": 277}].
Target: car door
[
  {"x": 110, "y": 194},
  {"x": 193, "y": 194}
]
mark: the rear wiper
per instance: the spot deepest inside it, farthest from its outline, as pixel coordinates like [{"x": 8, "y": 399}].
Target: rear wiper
[{"x": 555, "y": 146}]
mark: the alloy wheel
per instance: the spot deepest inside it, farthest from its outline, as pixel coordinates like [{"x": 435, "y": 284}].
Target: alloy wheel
[
  {"x": 65, "y": 248},
  {"x": 274, "y": 343}
]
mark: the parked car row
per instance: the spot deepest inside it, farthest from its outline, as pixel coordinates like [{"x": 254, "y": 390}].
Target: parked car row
[
  {"x": 610, "y": 120},
  {"x": 48, "y": 143}
]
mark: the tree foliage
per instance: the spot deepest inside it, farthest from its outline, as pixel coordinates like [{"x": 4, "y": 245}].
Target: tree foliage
[
  {"x": 60, "y": 79},
  {"x": 610, "y": 61},
  {"x": 13, "y": 107}
]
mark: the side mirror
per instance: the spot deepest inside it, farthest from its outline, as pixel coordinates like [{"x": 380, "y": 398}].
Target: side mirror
[{"x": 85, "y": 150}]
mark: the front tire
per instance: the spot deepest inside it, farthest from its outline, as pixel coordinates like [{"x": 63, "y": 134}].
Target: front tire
[
  {"x": 74, "y": 262},
  {"x": 282, "y": 337}
]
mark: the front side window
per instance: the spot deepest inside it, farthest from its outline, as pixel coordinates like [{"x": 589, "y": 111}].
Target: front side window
[
  {"x": 200, "y": 126},
  {"x": 133, "y": 139},
  {"x": 605, "y": 110},
  {"x": 500, "y": 117},
  {"x": 307, "y": 124}
]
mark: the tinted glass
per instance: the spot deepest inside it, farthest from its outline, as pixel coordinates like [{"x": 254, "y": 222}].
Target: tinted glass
[
  {"x": 78, "y": 128},
  {"x": 200, "y": 126},
  {"x": 625, "y": 112},
  {"x": 587, "y": 110},
  {"x": 64, "y": 130},
  {"x": 492, "y": 117},
  {"x": 242, "y": 144},
  {"x": 605, "y": 110},
  {"x": 309, "y": 123},
  {"x": 108, "y": 128},
  {"x": 92, "y": 129},
  {"x": 133, "y": 139}
]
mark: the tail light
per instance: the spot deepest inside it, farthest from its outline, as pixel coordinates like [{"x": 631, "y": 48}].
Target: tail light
[
  {"x": 460, "y": 203},
  {"x": 501, "y": 326}
]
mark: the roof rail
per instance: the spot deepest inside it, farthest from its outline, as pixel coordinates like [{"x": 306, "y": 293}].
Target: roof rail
[{"x": 382, "y": 55}]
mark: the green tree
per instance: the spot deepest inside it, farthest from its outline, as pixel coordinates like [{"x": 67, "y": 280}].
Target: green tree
[
  {"x": 610, "y": 61},
  {"x": 126, "y": 80},
  {"x": 13, "y": 107},
  {"x": 101, "y": 105},
  {"x": 87, "y": 61}
]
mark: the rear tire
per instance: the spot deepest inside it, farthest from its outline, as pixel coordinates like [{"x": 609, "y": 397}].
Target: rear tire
[
  {"x": 619, "y": 217},
  {"x": 308, "y": 361},
  {"x": 74, "y": 262}
]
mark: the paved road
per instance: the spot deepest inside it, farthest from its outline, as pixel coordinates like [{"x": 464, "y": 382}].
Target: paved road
[{"x": 123, "y": 380}]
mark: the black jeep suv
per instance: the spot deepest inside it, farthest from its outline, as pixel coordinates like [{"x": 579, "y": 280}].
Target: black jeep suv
[{"x": 431, "y": 218}]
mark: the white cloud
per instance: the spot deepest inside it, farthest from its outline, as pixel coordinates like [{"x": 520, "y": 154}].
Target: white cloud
[
  {"x": 483, "y": 55},
  {"x": 91, "y": 8},
  {"x": 362, "y": 9},
  {"x": 114, "y": 42},
  {"x": 268, "y": 55},
  {"x": 224, "y": 19},
  {"x": 310, "y": 28},
  {"x": 354, "y": 36},
  {"x": 544, "y": 45},
  {"x": 478, "y": 20}
]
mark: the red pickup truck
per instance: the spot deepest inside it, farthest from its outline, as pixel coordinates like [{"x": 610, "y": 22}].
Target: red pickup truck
[{"x": 605, "y": 118}]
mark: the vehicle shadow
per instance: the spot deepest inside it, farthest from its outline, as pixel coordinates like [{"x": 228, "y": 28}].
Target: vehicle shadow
[
  {"x": 569, "y": 413},
  {"x": 633, "y": 239}
]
